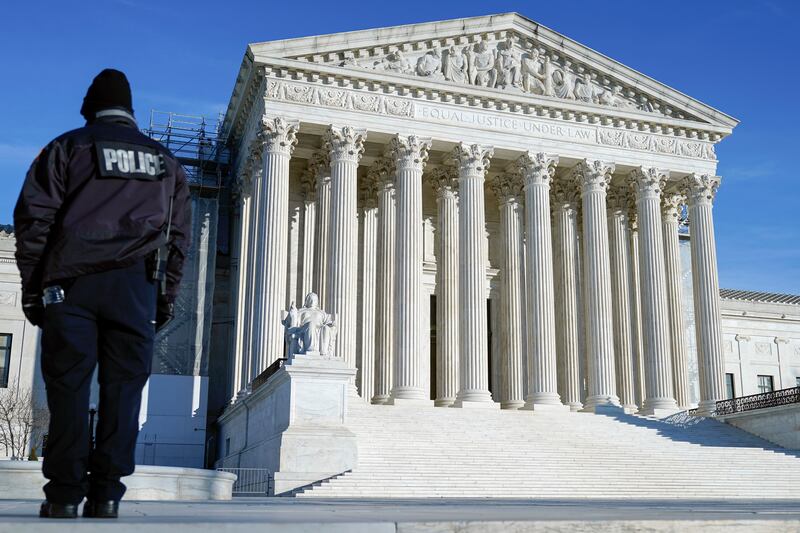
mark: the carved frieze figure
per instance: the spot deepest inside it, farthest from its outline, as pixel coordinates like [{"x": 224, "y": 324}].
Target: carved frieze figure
[
  {"x": 456, "y": 65},
  {"x": 349, "y": 60},
  {"x": 533, "y": 79},
  {"x": 564, "y": 80},
  {"x": 614, "y": 98},
  {"x": 585, "y": 89},
  {"x": 507, "y": 66},
  {"x": 430, "y": 64},
  {"x": 395, "y": 62},
  {"x": 481, "y": 65},
  {"x": 309, "y": 329}
]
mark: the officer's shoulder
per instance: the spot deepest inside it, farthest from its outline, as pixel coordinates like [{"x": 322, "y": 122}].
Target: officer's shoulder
[
  {"x": 143, "y": 139},
  {"x": 63, "y": 141}
]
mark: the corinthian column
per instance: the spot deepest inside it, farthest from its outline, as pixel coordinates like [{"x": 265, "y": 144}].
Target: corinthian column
[
  {"x": 537, "y": 171},
  {"x": 345, "y": 144},
  {"x": 701, "y": 192},
  {"x": 508, "y": 190},
  {"x": 636, "y": 307},
  {"x": 472, "y": 162},
  {"x": 565, "y": 199},
  {"x": 648, "y": 183},
  {"x": 444, "y": 181},
  {"x": 410, "y": 155},
  {"x": 309, "y": 217},
  {"x": 279, "y": 138},
  {"x": 368, "y": 228},
  {"x": 320, "y": 166},
  {"x": 619, "y": 243},
  {"x": 253, "y": 172},
  {"x": 670, "y": 211},
  {"x": 384, "y": 301},
  {"x": 243, "y": 195},
  {"x": 593, "y": 177}
]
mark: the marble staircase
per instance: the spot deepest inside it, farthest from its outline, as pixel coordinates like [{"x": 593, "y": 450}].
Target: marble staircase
[{"x": 427, "y": 452}]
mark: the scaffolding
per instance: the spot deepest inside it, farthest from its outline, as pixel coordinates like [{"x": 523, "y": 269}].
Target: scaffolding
[{"x": 198, "y": 144}]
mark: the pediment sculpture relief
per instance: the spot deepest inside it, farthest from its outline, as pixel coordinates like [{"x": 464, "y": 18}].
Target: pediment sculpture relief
[
  {"x": 309, "y": 330},
  {"x": 506, "y": 65}
]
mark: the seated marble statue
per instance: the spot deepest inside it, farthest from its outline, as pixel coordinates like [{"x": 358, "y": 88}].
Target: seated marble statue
[{"x": 309, "y": 329}]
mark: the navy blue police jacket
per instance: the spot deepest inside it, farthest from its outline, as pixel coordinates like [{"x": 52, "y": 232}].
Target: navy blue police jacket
[{"x": 98, "y": 198}]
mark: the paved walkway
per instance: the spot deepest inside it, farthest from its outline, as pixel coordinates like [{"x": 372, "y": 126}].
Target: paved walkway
[{"x": 250, "y": 515}]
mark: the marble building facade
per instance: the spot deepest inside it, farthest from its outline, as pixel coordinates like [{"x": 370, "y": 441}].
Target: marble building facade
[{"x": 490, "y": 210}]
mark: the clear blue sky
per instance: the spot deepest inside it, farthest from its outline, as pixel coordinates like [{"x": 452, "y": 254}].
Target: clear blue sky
[{"x": 740, "y": 56}]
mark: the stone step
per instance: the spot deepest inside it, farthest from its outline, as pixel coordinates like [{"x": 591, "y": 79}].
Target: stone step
[{"x": 434, "y": 452}]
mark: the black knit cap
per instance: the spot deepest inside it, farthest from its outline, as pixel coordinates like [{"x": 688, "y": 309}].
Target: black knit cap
[{"x": 109, "y": 89}]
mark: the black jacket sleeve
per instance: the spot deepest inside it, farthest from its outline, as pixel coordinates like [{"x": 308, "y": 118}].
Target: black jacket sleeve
[
  {"x": 37, "y": 207},
  {"x": 179, "y": 234}
]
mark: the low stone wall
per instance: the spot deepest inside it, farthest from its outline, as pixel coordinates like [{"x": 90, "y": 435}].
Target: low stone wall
[
  {"x": 23, "y": 480},
  {"x": 779, "y": 425}
]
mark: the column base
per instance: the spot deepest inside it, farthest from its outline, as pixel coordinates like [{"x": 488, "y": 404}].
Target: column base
[
  {"x": 444, "y": 402},
  {"x": 575, "y": 406},
  {"x": 467, "y": 404},
  {"x": 658, "y": 413},
  {"x": 659, "y": 406},
  {"x": 512, "y": 404},
  {"x": 546, "y": 407},
  {"x": 475, "y": 398},
  {"x": 408, "y": 393},
  {"x": 379, "y": 400},
  {"x": 543, "y": 401},
  {"x": 630, "y": 409},
  {"x": 707, "y": 408},
  {"x": 409, "y": 402},
  {"x": 602, "y": 405}
]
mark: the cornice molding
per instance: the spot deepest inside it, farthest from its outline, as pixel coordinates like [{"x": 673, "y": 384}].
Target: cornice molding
[{"x": 419, "y": 40}]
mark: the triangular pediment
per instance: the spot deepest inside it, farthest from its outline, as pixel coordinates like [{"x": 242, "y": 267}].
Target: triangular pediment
[{"x": 507, "y": 53}]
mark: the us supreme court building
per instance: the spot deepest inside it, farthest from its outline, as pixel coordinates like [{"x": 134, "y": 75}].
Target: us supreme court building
[{"x": 492, "y": 212}]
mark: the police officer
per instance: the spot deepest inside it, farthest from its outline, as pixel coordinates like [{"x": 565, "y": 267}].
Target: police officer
[{"x": 102, "y": 211}]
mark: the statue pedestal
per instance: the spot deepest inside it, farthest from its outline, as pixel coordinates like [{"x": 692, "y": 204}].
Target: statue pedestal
[{"x": 294, "y": 424}]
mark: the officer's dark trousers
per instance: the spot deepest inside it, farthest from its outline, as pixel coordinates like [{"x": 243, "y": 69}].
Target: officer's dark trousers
[{"x": 107, "y": 319}]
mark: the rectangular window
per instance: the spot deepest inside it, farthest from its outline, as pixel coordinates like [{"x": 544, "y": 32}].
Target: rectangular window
[
  {"x": 765, "y": 384},
  {"x": 730, "y": 387},
  {"x": 5, "y": 358},
  {"x": 797, "y": 382}
]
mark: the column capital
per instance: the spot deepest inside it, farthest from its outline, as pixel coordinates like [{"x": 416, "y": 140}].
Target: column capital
[
  {"x": 536, "y": 167},
  {"x": 618, "y": 200},
  {"x": 444, "y": 180},
  {"x": 564, "y": 192},
  {"x": 701, "y": 188},
  {"x": 593, "y": 174},
  {"x": 472, "y": 159},
  {"x": 633, "y": 217},
  {"x": 409, "y": 152},
  {"x": 368, "y": 186},
  {"x": 344, "y": 143},
  {"x": 781, "y": 340},
  {"x": 243, "y": 184},
  {"x": 308, "y": 184},
  {"x": 278, "y": 135},
  {"x": 648, "y": 182},
  {"x": 237, "y": 191},
  {"x": 507, "y": 187},
  {"x": 671, "y": 203},
  {"x": 320, "y": 163}
]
